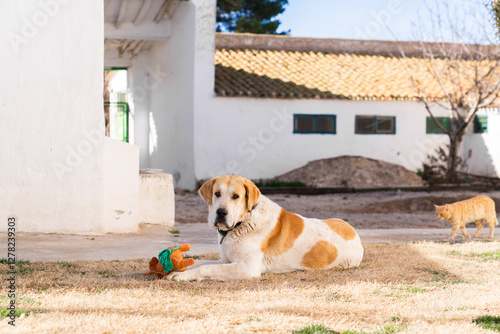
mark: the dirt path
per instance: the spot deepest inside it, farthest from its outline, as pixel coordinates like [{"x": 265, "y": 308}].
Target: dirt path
[{"x": 361, "y": 210}]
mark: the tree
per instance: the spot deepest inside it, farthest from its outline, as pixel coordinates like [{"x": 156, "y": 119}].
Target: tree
[
  {"x": 253, "y": 16},
  {"x": 495, "y": 9},
  {"x": 462, "y": 76}
]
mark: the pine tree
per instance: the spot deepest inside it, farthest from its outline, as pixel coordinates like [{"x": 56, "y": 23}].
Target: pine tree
[{"x": 253, "y": 16}]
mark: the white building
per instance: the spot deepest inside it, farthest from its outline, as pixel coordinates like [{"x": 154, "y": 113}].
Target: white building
[
  {"x": 54, "y": 158},
  {"x": 280, "y": 102},
  {"x": 241, "y": 112},
  {"x": 167, "y": 48},
  {"x": 60, "y": 174}
]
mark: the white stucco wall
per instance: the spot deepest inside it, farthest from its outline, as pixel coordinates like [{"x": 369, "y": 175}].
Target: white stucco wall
[
  {"x": 138, "y": 99},
  {"x": 254, "y": 137},
  {"x": 485, "y": 148},
  {"x": 157, "y": 199},
  {"x": 172, "y": 99},
  {"x": 121, "y": 176},
  {"x": 51, "y": 116}
]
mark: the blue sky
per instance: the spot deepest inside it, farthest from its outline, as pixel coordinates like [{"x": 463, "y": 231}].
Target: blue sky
[{"x": 369, "y": 19}]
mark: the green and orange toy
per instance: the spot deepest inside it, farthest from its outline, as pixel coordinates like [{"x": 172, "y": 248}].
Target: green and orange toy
[{"x": 169, "y": 259}]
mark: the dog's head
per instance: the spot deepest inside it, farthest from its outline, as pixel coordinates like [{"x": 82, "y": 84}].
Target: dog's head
[{"x": 229, "y": 198}]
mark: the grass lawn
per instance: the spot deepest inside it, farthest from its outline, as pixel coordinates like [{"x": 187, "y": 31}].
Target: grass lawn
[{"x": 410, "y": 288}]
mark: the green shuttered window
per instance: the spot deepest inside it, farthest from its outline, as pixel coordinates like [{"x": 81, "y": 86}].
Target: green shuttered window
[{"x": 480, "y": 124}]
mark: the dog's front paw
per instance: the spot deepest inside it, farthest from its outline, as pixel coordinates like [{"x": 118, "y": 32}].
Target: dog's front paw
[{"x": 181, "y": 276}]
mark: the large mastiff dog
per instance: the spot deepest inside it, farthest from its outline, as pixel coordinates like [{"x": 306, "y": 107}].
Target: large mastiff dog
[{"x": 257, "y": 236}]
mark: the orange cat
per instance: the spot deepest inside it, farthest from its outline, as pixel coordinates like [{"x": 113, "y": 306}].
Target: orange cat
[{"x": 473, "y": 209}]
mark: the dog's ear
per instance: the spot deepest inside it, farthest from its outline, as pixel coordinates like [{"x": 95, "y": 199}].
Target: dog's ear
[
  {"x": 252, "y": 193},
  {"x": 205, "y": 191}
]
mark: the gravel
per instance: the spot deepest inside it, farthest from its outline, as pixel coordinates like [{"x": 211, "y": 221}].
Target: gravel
[{"x": 390, "y": 209}]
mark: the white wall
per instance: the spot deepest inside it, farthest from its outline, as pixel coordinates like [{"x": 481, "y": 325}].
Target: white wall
[
  {"x": 157, "y": 199},
  {"x": 254, "y": 137},
  {"x": 51, "y": 116},
  {"x": 138, "y": 99},
  {"x": 485, "y": 159},
  {"x": 121, "y": 176},
  {"x": 172, "y": 99}
]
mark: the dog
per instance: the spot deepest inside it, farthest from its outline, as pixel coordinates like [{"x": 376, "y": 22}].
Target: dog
[{"x": 257, "y": 236}]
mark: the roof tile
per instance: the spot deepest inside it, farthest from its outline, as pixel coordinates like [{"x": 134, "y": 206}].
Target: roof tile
[{"x": 311, "y": 74}]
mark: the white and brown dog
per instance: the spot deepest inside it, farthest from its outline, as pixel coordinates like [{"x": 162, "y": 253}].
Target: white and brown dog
[{"x": 257, "y": 236}]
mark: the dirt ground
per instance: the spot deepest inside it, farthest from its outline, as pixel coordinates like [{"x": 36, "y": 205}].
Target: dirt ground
[
  {"x": 351, "y": 171},
  {"x": 396, "y": 209},
  {"x": 408, "y": 288}
]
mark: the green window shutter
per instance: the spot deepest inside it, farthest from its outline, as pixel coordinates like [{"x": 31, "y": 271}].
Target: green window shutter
[
  {"x": 121, "y": 119},
  {"x": 480, "y": 124},
  {"x": 446, "y": 123},
  {"x": 432, "y": 128}
]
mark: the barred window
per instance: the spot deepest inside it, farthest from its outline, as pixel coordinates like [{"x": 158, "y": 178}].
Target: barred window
[
  {"x": 320, "y": 124},
  {"x": 375, "y": 125}
]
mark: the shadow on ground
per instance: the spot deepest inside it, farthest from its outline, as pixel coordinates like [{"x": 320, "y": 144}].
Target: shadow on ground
[{"x": 382, "y": 263}]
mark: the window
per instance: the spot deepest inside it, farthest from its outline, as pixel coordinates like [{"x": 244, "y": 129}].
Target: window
[
  {"x": 480, "y": 124},
  {"x": 314, "y": 124},
  {"x": 375, "y": 125},
  {"x": 116, "y": 108},
  {"x": 432, "y": 128},
  {"x": 119, "y": 112}
]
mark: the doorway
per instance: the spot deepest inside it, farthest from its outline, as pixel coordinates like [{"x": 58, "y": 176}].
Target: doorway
[{"x": 116, "y": 107}]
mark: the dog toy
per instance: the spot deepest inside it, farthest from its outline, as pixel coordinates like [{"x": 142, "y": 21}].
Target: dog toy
[{"x": 169, "y": 259}]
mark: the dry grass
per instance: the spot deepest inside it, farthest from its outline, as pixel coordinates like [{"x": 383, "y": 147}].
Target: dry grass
[{"x": 415, "y": 288}]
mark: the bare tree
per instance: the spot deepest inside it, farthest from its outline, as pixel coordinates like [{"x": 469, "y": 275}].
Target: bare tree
[
  {"x": 495, "y": 8},
  {"x": 461, "y": 76}
]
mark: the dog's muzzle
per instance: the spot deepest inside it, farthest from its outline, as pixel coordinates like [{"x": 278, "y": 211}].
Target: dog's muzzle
[{"x": 220, "y": 218}]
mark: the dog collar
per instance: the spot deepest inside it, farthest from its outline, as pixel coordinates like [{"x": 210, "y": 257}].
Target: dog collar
[
  {"x": 253, "y": 207},
  {"x": 224, "y": 233}
]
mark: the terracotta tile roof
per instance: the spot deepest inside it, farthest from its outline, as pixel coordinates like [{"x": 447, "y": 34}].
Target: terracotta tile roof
[{"x": 241, "y": 70}]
